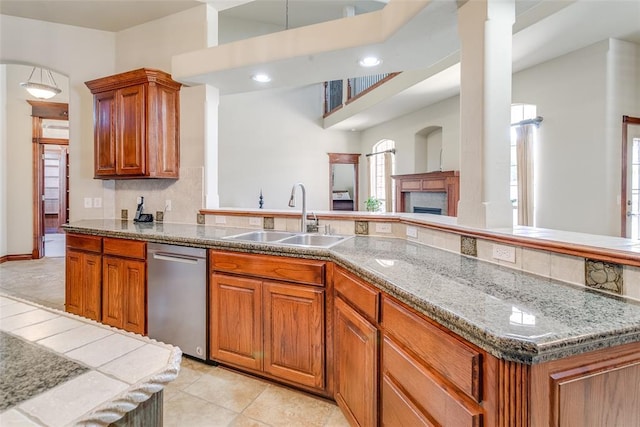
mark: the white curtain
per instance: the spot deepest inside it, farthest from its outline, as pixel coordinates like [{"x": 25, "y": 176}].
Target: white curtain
[
  {"x": 388, "y": 182},
  {"x": 524, "y": 153}
]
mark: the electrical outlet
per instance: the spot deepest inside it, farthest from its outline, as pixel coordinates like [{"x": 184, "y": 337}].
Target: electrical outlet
[
  {"x": 221, "y": 219},
  {"x": 167, "y": 205},
  {"x": 87, "y": 202},
  {"x": 255, "y": 221},
  {"x": 383, "y": 227},
  {"x": 97, "y": 202},
  {"x": 412, "y": 232},
  {"x": 504, "y": 253}
]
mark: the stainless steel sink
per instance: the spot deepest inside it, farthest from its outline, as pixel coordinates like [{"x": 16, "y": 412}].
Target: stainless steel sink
[
  {"x": 262, "y": 236},
  {"x": 313, "y": 240},
  {"x": 286, "y": 238}
]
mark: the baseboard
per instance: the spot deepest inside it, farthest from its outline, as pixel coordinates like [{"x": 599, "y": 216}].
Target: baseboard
[{"x": 23, "y": 257}]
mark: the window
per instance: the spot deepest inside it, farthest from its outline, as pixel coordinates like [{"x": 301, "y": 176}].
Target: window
[
  {"x": 523, "y": 136},
  {"x": 381, "y": 168}
]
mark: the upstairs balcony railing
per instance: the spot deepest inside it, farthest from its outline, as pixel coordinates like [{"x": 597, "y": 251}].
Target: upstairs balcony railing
[{"x": 335, "y": 95}]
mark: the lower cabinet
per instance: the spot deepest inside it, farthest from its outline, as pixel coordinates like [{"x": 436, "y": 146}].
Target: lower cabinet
[
  {"x": 123, "y": 294},
  {"x": 355, "y": 349},
  {"x": 106, "y": 280},
  {"x": 272, "y": 327},
  {"x": 83, "y": 272},
  {"x": 124, "y": 275}
]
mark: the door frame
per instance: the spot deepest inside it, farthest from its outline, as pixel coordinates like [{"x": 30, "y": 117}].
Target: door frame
[
  {"x": 42, "y": 110},
  {"x": 626, "y": 121}
]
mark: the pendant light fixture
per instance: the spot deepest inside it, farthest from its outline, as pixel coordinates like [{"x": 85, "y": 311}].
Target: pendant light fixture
[{"x": 44, "y": 88}]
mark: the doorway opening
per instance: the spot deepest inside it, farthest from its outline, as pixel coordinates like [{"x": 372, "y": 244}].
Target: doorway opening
[
  {"x": 630, "y": 212},
  {"x": 50, "y": 177}
]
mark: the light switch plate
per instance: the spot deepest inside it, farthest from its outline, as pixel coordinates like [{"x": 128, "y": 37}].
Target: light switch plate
[
  {"x": 97, "y": 202},
  {"x": 87, "y": 202},
  {"x": 383, "y": 227},
  {"x": 412, "y": 232},
  {"x": 255, "y": 221},
  {"x": 504, "y": 253}
]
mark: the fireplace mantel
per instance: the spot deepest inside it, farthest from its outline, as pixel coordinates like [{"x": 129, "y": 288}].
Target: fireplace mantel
[{"x": 444, "y": 182}]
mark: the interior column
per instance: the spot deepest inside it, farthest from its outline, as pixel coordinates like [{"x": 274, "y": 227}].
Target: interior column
[{"x": 485, "y": 30}]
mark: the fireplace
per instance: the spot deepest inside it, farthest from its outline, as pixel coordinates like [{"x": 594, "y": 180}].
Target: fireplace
[
  {"x": 424, "y": 209},
  {"x": 437, "y": 190}
]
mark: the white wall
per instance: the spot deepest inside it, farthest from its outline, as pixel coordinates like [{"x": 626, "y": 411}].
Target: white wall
[
  {"x": 152, "y": 45},
  {"x": 272, "y": 139},
  {"x": 232, "y": 29},
  {"x": 3, "y": 160},
  {"x": 445, "y": 114},
  {"x": 573, "y": 189},
  {"x": 81, "y": 54}
]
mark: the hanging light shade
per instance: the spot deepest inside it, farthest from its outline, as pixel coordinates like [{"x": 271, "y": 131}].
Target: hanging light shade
[{"x": 44, "y": 88}]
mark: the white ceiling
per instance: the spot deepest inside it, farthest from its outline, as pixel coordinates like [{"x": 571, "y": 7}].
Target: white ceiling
[{"x": 544, "y": 29}]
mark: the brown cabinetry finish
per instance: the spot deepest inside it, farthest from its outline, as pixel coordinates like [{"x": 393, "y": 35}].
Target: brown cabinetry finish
[
  {"x": 359, "y": 294},
  {"x": 136, "y": 125},
  {"x": 270, "y": 267},
  {"x": 356, "y": 365},
  {"x": 236, "y": 320},
  {"x": 83, "y": 270},
  {"x": 124, "y": 293},
  {"x": 452, "y": 358},
  {"x": 83, "y": 283},
  {"x": 273, "y": 328},
  {"x": 398, "y": 410},
  {"x": 294, "y": 333}
]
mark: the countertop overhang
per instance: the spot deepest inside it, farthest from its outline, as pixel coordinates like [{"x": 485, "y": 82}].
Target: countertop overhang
[{"x": 513, "y": 315}]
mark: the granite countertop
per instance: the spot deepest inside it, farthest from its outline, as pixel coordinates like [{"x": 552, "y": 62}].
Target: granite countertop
[
  {"x": 513, "y": 315},
  {"x": 60, "y": 369}
]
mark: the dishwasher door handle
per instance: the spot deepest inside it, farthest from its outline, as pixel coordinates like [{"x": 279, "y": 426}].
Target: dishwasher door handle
[{"x": 175, "y": 258}]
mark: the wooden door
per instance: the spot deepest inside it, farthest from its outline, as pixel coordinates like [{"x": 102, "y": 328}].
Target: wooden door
[
  {"x": 92, "y": 286},
  {"x": 135, "y": 296},
  {"x": 356, "y": 365},
  {"x": 294, "y": 333},
  {"x": 131, "y": 131},
  {"x": 73, "y": 282},
  {"x": 236, "y": 320},
  {"x": 113, "y": 291},
  {"x": 104, "y": 134}
]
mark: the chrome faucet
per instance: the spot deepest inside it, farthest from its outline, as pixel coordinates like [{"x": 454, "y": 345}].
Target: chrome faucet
[{"x": 292, "y": 204}]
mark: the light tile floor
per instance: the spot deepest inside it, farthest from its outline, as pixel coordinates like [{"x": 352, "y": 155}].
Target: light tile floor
[{"x": 202, "y": 395}]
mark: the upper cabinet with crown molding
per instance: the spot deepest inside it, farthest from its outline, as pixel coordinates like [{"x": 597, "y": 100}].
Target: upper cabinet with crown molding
[{"x": 136, "y": 119}]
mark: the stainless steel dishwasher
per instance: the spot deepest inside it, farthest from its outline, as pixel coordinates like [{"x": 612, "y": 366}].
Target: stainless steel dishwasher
[{"x": 177, "y": 297}]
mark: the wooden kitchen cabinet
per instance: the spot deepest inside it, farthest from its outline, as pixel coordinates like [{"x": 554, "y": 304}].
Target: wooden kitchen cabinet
[
  {"x": 83, "y": 272},
  {"x": 136, "y": 125},
  {"x": 356, "y": 348},
  {"x": 124, "y": 285},
  {"x": 267, "y": 315},
  {"x": 428, "y": 375}
]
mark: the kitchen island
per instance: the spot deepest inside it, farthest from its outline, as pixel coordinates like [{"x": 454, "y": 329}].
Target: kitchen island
[
  {"x": 502, "y": 339},
  {"x": 60, "y": 369}
]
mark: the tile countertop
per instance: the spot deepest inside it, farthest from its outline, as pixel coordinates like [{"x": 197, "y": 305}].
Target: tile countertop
[
  {"x": 59, "y": 369},
  {"x": 511, "y": 314}
]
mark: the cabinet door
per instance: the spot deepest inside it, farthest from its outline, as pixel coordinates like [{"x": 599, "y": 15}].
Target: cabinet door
[
  {"x": 294, "y": 333},
  {"x": 356, "y": 365},
  {"x": 104, "y": 134},
  {"x": 131, "y": 131},
  {"x": 236, "y": 320},
  {"x": 92, "y": 289},
  {"x": 112, "y": 292},
  {"x": 135, "y": 296},
  {"x": 73, "y": 282},
  {"x": 124, "y": 294}
]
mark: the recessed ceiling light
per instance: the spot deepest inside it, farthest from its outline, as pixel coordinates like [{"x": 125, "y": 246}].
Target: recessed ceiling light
[
  {"x": 261, "y": 78},
  {"x": 370, "y": 61}
]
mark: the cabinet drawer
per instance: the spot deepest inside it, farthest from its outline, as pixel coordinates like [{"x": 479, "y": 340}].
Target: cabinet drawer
[
  {"x": 270, "y": 267},
  {"x": 85, "y": 243},
  {"x": 431, "y": 393},
  {"x": 453, "y": 359},
  {"x": 362, "y": 296},
  {"x": 125, "y": 248}
]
